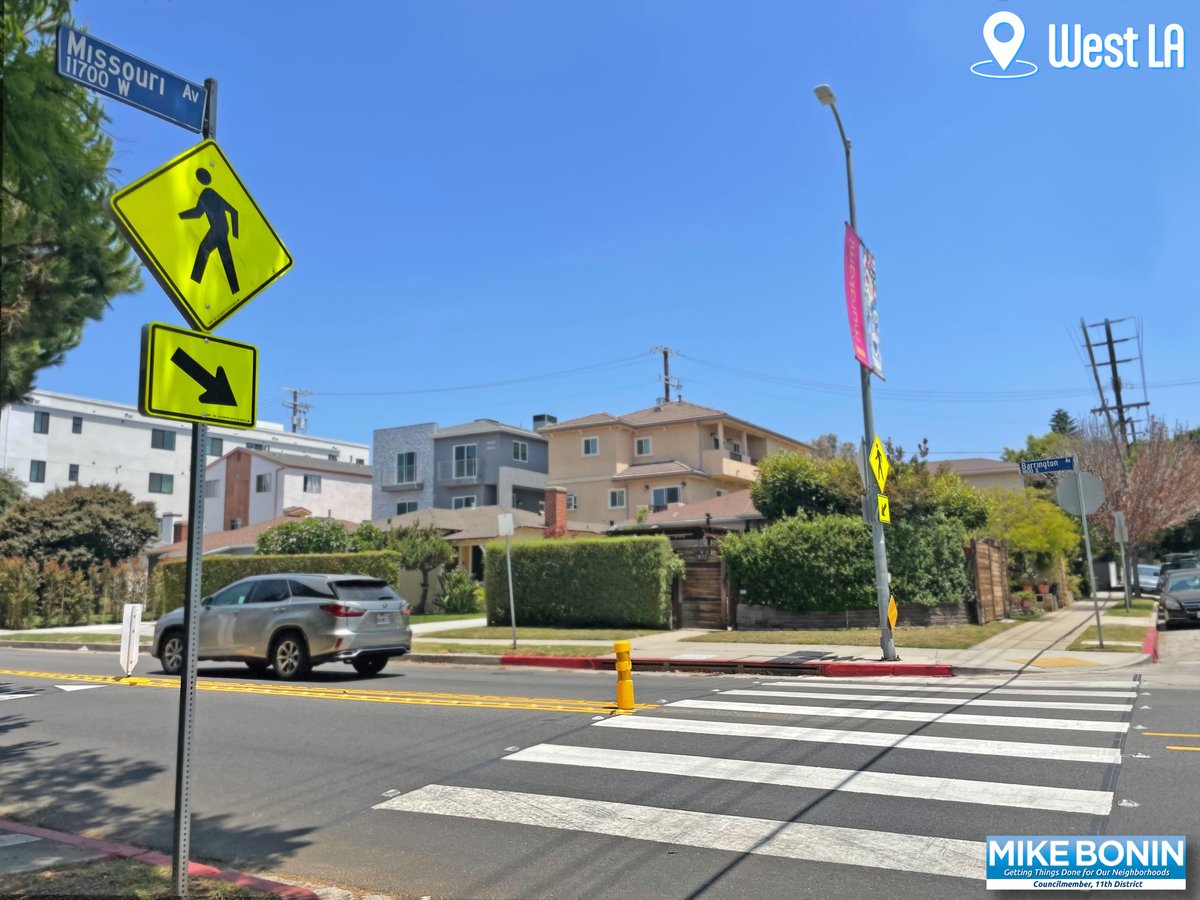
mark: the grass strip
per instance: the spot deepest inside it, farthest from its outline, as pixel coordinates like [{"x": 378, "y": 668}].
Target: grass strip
[
  {"x": 503, "y": 650},
  {"x": 67, "y": 637},
  {"x": 423, "y": 618},
  {"x": 548, "y": 634},
  {"x": 933, "y": 637},
  {"x": 1089, "y": 640},
  {"x": 117, "y": 878}
]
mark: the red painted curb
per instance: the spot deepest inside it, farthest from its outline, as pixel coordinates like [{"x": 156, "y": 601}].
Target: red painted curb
[
  {"x": 1150, "y": 643},
  {"x": 154, "y": 858},
  {"x": 557, "y": 662}
]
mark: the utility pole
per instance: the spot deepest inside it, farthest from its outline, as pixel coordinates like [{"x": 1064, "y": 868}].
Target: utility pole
[
  {"x": 299, "y": 410},
  {"x": 667, "y": 353}
]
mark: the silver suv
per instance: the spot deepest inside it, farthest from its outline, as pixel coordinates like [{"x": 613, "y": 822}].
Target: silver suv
[{"x": 291, "y": 622}]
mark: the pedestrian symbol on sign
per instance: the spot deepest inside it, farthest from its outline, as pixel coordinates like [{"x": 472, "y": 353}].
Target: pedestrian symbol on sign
[{"x": 214, "y": 207}]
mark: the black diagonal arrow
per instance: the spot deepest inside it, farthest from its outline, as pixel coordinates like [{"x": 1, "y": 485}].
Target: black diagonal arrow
[{"x": 216, "y": 387}]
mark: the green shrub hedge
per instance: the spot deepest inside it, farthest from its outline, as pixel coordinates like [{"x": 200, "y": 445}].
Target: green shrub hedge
[
  {"x": 167, "y": 583},
  {"x": 826, "y": 563},
  {"x": 583, "y": 582}
]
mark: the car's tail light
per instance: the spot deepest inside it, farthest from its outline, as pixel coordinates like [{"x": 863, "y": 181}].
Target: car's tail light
[
  {"x": 406, "y": 611},
  {"x": 337, "y": 610}
]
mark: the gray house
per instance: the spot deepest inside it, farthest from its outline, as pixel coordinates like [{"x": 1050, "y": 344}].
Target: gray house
[{"x": 480, "y": 463}]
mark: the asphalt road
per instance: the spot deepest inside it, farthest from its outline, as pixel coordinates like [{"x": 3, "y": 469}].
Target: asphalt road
[{"x": 421, "y": 783}]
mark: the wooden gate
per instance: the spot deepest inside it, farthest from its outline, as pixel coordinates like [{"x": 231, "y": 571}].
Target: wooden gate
[{"x": 704, "y": 598}]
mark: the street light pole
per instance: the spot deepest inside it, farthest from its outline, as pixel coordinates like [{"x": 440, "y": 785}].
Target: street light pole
[{"x": 882, "y": 590}]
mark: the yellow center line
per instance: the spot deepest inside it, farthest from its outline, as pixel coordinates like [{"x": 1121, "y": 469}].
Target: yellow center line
[
  {"x": 1169, "y": 747},
  {"x": 1168, "y": 734},
  {"x": 317, "y": 692}
]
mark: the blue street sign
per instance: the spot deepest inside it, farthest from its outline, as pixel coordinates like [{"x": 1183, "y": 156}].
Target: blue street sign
[
  {"x": 1044, "y": 466},
  {"x": 111, "y": 71}
]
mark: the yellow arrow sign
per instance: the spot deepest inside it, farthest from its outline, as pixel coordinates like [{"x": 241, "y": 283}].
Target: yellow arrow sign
[
  {"x": 195, "y": 377},
  {"x": 201, "y": 235},
  {"x": 879, "y": 464},
  {"x": 893, "y": 613},
  {"x": 885, "y": 509}
]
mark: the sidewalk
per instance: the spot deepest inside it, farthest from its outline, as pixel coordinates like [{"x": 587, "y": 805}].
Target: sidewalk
[{"x": 1036, "y": 645}]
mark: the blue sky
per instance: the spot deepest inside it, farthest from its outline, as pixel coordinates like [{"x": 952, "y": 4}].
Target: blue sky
[{"x": 486, "y": 191}]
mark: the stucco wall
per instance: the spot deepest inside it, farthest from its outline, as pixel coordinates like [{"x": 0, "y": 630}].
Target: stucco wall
[
  {"x": 341, "y": 496},
  {"x": 388, "y": 443}
]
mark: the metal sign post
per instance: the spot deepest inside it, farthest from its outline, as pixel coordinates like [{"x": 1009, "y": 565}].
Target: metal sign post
[
  {"x": 506, "y": 529},
  {"x": 1121, "y": 535},
  {"x": 1087, "y": 543}
]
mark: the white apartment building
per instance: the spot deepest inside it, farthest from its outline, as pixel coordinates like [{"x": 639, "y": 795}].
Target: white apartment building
[{"x": 53, "y": 440}]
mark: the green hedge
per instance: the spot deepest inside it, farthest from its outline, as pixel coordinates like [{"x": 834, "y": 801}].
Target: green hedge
[
  {"x": 826, "y": 563},
  {"x": 584, "y": 582},
  {"x": 167, "y": 583}
]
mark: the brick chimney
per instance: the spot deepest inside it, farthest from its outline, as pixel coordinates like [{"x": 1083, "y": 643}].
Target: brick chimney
[
  {"x": 181, "y": 532},
  {"x": 556, "y": 512}
]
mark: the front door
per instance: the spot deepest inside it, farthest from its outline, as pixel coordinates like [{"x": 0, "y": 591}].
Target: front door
[{"x": 252, "y": 621}]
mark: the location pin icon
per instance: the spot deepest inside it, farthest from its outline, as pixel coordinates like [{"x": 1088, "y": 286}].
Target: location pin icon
[{"x": 1004, "y": 51}]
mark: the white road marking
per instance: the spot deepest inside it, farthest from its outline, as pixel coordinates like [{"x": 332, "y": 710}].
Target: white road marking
[
  {"x": 710, "y": 831},
  {"x": 1014, "y": 749},
  {"x": 903, "y": 715},
  {"x": 1028, "y": 681},
  {"x": 938, "y": 701},
  {"x": 9, "y": 840},
  {"x": 838, "y": 684},
  {"x": 77, "y": 687},
  {"x": 920, "y": 787},
  {"x": 16, "y": 696}
]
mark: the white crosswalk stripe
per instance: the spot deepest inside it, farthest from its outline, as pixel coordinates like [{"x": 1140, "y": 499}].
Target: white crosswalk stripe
[{"x": 740, "y": 745}]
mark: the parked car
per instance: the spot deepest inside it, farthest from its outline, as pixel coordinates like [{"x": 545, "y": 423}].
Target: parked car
[
  {"x": 288, "y": 623},
  {"x": 1148, "y": 577},
  {"x": 1180, "y": 600}
]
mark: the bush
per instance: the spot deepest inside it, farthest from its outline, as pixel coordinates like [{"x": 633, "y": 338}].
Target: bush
[
  {"x": 65, "y": 596},
  {"x": 19, "y": 581},
  {"x": 584, "y": 582},
  {"x": 218, "y": 571},
  {"x": 114, "y": 586},
  {"x": 311, "y": 535},
  {"x": 460, "y": 592},
  {"x": 827, "y": 563}
]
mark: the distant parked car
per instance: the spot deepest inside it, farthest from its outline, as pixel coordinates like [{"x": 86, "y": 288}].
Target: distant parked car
[
  {"x": 289, "y": 623},
  {"x": 1180, "y": 600},
  {"x": 1148, "y": 577}
]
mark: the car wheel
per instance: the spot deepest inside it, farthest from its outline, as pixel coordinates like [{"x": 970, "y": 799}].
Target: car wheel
[
  {"x": 369, "y": 665},
  {"x": 289, "y": 657},
  {"x": 258, "y": 667},
  {"x": 170, "y": 654}
]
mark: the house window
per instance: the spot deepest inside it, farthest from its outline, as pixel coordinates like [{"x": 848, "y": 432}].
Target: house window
[
  {"x": 520, "y": 451},
  {"x": 406, "y": 467},
  {"x": 572, "y": 501},
  {"x": 591, "y": 446},
  {"x": 161, "y": 439},
  {"x": 254, "y": 445},
  {"x": 465, "y": 463},
  {"x": 664, "y": 495},
  {"x": 467, "y": 502},
  {"x": 716, "y": 442},
  {"x": 616, "y": 499},
  {"x": 216, "y": 446},
  {"x": 73, "y": 472},
  {"x": 262, "y": 483},
  {"x": 162, "y": 484},
  {"x": 312, "y": 484},
  {"x": 721, "y": 492},
  {"x": 37, "y": 471},
  {"x": 735, "y": 446},
  {"x": 406, "y": 506},
  {"x": 76, "y": 424},
  {"x": 41, "y": 423},
  {"x": 333, "y": 457},
  {"x": 212, "y": 488},
  {"x": 641, "y": 447}
]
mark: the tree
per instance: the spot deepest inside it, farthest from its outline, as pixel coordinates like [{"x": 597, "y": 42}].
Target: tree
[
  {"x": 1051, "y": 444},
  {"x": 1037, "y": 532},
  {"x": 1061, "y": 422},
  {"x": 421, "y": 550},
  {"x": 309, "y": 535},
  {"x": 791, "y": 484},
  {"x": 827, "y": 446},
  {"x": 11, "y": 489},
  {"x": 61, "y": 259},
  {"x": 78, "y": 526}
]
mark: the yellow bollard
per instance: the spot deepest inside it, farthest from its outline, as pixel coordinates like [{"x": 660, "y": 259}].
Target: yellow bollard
[{"x": 624, "y": 675}]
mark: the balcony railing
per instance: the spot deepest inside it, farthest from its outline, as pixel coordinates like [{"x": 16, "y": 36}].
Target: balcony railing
[
  {"x": 402, "y": 481},
  {"x": 462, "y": 471}
]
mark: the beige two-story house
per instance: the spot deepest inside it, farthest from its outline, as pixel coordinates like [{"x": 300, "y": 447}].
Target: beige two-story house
[{"x": 672, "y": 453}]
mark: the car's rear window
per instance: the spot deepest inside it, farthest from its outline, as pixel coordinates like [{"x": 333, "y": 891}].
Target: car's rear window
[
  {"x": 1184, "y": 583},
  {"x": 364, "y": 589}
]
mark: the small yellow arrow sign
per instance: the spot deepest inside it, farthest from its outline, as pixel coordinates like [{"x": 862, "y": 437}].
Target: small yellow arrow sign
[
  {"x": 893, "y": 612},
  {"x": 194, "y": 377},
  {"x": 885, "y": 509},
  {"x": 879, "y": 464}
]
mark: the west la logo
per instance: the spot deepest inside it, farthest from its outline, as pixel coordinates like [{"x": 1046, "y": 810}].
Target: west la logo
[{"x": 1069, "y": 47}]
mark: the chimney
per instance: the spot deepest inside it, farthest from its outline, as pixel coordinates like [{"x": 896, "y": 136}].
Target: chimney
[
  {"x": 541, "y": 420},
  {"x": 181, "y": 533},
  {"x": 556, "y": 512}
]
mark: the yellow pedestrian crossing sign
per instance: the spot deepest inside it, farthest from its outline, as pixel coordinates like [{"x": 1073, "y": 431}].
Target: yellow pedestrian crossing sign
[
  {"x": 885, "y": 509},
  {"x": 893, "y": 613},
  {"x": 879, "y": 464},
  {"x": 201, "y": 235},
  {"x": 194, "y": 377}
]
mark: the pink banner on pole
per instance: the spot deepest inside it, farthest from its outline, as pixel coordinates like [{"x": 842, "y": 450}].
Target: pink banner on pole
[{"x": 854, "y": 303}]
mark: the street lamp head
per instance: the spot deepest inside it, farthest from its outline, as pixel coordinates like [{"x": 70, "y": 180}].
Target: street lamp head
[{"x": 825, "y": 94}]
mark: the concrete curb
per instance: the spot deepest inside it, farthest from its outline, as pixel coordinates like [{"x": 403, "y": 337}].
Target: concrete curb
[
  {"x": 154, "y": 858},
  {"x": 68, "y": 645},
  {"x": 1150, "y": 643}
]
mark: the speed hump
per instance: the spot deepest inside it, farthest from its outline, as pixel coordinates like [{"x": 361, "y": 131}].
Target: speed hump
[
  {"x": 193, "y": 377},
  {"x": 201, "y": 235}
]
